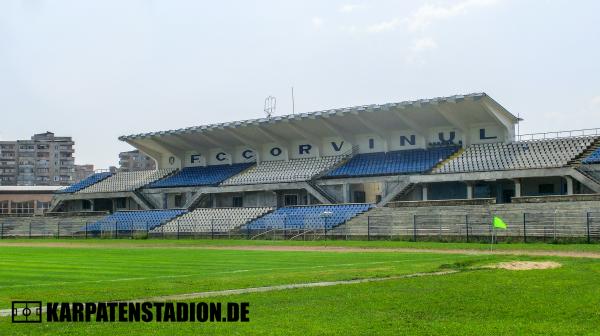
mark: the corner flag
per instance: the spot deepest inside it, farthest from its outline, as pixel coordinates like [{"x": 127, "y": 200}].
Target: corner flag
[{"x": 499, "y": 223}]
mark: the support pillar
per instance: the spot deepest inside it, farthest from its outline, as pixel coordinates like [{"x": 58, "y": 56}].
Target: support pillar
[
  {"x": 346, "y": 192},
  {"x": 517, "y": 187},
  {"x": 569, "y": 185},
  {"x": 469, "y": 190},
  {"x": 424, "y": 191}
]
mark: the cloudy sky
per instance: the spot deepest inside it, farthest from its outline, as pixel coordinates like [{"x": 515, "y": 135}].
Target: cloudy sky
[{"x": 99, "y": 69}]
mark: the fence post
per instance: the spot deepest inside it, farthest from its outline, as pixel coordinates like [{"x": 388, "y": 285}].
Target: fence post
[
  {"x": 587, "y": 224},
  {"x": 2, "y": 230},
  {"x": 414, "y": 227},
  {"x": 86, "y": 229},
  {"x": 212, "y": 228},
  {"x": 116, "y": 233},
  {"x": 524, "y": 227},
  {"x": 368, "y": 228},
  {"x": 147, "y": 231},
  {"x": 467, "y": 226},
  {"x": 29, "y": 229},
  {"x": 177, "y": 230},
  {"x": 58, "y": 230}
]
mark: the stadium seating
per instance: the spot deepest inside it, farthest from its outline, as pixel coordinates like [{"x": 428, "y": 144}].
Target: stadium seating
[
  {"x": 200, "y": 176},
  {"x": 592, "y": 158},
  {"x": 308, "y": 217},
  {"x": 212, "y": 220},
  {"x": 134, "y": 220},
  {"x": 284, "y": 171},
  {"x": 517, "y": 155},
  {"x": 127, "y": 181},
  {"x": 86, "y": 182},
  {"x": 393, "y": 163}
]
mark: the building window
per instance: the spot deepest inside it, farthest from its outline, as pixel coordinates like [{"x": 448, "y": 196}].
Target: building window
[
  {"x": 545, "y": 189},
  {"x": 360, "y": 196},
  {"x": 290, "y": 199},
  {"x": 43, "y": 206},
  {"x": 121, "y": 203},
  {"x": 178, "y": 201},
  {"x": 4, "y": 208},
  {"x": 237, "y": 201},
  {"x": 86, "y": 205},
  {"x": 23, "y": 208}
]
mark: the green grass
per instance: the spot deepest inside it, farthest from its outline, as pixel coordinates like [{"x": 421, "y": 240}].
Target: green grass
[
  {"x": 337, "y": 243},
  {"x": 473, "y": 301}
]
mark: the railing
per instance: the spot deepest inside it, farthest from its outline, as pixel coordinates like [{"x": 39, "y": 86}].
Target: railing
[
  {"x": 522, "y": 226},
  {"x": 558, "y": 134}
]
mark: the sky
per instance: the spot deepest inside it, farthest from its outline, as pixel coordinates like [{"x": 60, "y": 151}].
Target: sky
[{"x": 95, "y": 70}]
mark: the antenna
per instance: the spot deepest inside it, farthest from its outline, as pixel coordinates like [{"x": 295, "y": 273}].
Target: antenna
[
  {"x": 293, "y": 102},
  {"x": 270, "y": 106}
]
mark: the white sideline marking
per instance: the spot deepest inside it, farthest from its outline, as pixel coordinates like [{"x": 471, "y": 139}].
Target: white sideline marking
[
  {"x": 7, "y": 312},
  {"x": 204, "y": 274}
]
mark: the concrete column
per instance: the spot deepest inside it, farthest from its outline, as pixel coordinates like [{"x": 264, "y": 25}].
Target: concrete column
[
  {"x": 517, "y": 187},
  {"x": 424, "y": 191},
  {"x": 569, "y": 185},
  {"x": 469, "y": 190},
  {"x": 346, "y": 192}
]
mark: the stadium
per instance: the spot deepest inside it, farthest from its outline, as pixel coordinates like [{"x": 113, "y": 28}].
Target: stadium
[
  {"x": 377, "y": 219},
  {"x": 434, "y": 168}
]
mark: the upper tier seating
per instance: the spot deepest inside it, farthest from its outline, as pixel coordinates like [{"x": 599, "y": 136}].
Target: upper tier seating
[
  {"x": 135, "y": 220},
  {"x": 86, "y": 182},
  {"x": 284, "y": 171},
  {"x": 308, "y": 217},
  {"x": 212, "y": 220},
  {"x": 128, "y": 181},
  {"x": 201, "y": 176},
  {"x": 393, "y": 163},
  {"x": 593, "y": 158},
  {"x": 517, "y": 155}
]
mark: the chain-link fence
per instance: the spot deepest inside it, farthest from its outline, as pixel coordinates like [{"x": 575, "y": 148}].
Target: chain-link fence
[{"x": 554, "y": 226}]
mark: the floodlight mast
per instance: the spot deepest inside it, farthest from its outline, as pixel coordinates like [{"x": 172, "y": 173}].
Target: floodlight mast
[{"x": 270, "y": 106}]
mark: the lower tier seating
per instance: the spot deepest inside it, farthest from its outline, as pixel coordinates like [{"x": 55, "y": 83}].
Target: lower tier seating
[
  {"x": 200, "y": 176},
  {"x": 134, "y": 220},
  {"x": 284, "y": 171},
  {"x": 393, "y": 163},
  {"x": 212, "y": 220},
  {"x": 86, "y": 182},
  {"x": 545, "y": 153},
  {"x": 592, "y": 158},
  {"x": 127, "y": 181},
  {"x": 308, "y": 217}
]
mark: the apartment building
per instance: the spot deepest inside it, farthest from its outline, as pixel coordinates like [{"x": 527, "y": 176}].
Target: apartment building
[
  {"x": 45, "y": 160},
  {"x": 135, "y": 161}
]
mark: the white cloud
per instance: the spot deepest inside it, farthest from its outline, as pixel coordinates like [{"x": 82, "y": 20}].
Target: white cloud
[
  {"x": 384, "y": 26},
  {"x": 347, "y": 8},
  {"x": 595, "y": 101},
  {"x": 427, "y": 14},
  {"x": 423, "y": 44},
  {"x": 317, "y": 22}
]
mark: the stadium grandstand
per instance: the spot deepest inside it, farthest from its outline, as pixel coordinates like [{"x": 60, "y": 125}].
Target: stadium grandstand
[{"x": 321, "y": 169}]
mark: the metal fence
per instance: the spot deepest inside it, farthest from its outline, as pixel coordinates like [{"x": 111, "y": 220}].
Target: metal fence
[{"x": 554, "y": 226}]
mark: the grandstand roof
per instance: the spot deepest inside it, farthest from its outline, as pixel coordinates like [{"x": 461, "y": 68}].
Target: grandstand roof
[{"x": 456, "y": 111}]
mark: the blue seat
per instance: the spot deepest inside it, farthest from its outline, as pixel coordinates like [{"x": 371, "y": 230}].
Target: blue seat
[
  {"x": 134, "y": 220},
  {"x": 200, "y": 176},
  {"x": 393, "y": 163},
  {"x": 592, "y": 158},
  {"x": 308, "y": 217},
  {"x": 86, "y": 182}
]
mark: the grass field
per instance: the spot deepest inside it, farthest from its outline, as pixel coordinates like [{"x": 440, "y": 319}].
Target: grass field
[{"x": 473, "y": 300}]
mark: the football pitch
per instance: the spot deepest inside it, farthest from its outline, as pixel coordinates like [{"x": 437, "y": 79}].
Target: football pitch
[{"x": 335, "y": 288}]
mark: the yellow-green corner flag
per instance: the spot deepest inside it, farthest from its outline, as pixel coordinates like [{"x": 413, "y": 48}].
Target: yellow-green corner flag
[{"x": 499, "y": 223}]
